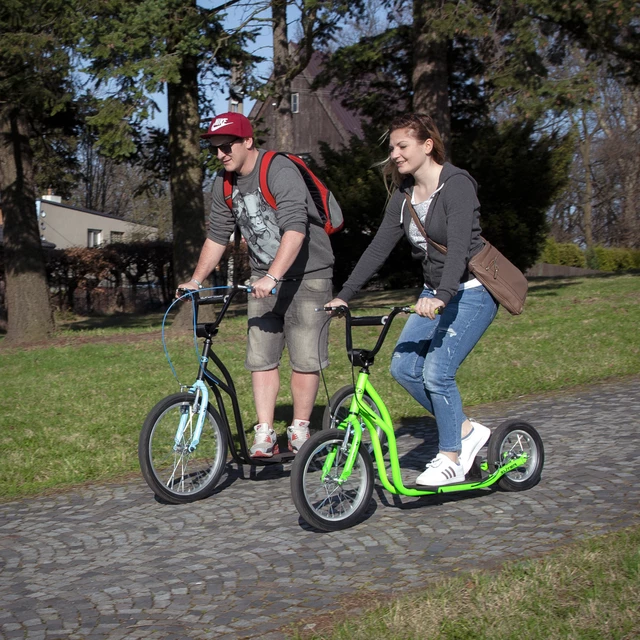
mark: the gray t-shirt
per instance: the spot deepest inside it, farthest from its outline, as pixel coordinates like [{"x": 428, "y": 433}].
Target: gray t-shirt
[{"x": 262, "y": 227}]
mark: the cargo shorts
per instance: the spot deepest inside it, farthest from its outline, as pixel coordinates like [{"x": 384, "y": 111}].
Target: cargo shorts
[{"x": 290, "y": 317}]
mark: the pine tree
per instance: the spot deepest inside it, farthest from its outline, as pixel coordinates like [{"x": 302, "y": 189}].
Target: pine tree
[
  {"x": 35, "y": 87},
  {"x": 138, "y": 49}
]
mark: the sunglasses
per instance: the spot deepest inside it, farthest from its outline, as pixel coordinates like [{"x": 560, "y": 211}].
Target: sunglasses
[{"x": 225, "y": 148}]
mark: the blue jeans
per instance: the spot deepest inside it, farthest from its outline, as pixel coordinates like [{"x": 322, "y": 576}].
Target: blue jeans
[{"x": 428, "y": 353}]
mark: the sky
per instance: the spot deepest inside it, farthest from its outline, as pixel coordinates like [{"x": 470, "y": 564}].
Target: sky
[{"x": 262, "y": 47}]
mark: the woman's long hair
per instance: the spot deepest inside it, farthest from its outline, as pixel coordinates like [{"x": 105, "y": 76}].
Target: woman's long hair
[{"x": 423, "y": 128}]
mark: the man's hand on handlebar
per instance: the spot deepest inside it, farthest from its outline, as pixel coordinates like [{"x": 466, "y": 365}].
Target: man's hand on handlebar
[
  {"x": 186, "y": 286},
  {"x": 263, "y": 288}
]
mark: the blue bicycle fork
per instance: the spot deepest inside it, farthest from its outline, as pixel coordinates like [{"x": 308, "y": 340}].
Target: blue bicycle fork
[{"x": 202, "y": 402}]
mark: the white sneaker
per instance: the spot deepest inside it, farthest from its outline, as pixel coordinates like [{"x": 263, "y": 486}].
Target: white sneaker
[
  {"x": 441, "y": 471},
  {"x": 298, "y": 434},
  {"x": 472, "y": 443},
  {"x": 265, "y": 444}
]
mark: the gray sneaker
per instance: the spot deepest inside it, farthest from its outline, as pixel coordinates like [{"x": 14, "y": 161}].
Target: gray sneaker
[
  {"x": 297, "y": 436},
  {"x": 265, "y": 444}
]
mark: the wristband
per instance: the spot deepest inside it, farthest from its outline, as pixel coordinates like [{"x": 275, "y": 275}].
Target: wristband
[
  {"x": 197, "y": 282},
  {"x": 268, "y": 275}
]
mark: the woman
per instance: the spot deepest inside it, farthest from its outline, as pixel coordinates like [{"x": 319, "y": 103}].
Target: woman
[{"x": 454, "y": 309}]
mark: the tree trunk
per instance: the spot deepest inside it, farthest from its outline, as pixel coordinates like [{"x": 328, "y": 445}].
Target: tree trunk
[
  {"x": 630, "y": 217},
  {"x": 430, "y": 78},
  {"x": 587, "y": 198},
  {"x": 282, "y": 83},
  {"x": 186, "y": 175},
  {"x": 30, "y": 316}
]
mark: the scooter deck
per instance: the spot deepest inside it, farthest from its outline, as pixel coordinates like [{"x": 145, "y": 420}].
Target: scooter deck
[{"x": 279, "y": 458}]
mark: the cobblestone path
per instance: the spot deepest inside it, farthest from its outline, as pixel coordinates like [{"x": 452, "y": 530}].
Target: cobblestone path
[{"x": 110, "y": 562}]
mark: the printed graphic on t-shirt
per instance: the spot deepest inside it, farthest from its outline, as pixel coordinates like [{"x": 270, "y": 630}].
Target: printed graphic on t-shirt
[{"x": 258, "y": 225}]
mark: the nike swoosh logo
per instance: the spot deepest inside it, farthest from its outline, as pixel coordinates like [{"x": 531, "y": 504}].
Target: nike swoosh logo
[{"x": 218, "y": 124}]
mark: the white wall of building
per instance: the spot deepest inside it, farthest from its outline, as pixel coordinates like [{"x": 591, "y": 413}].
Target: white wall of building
[{"x": 68, "y": 226}]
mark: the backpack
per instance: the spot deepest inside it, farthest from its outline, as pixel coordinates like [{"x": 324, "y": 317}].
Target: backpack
[{"x": 326, "y": 204}]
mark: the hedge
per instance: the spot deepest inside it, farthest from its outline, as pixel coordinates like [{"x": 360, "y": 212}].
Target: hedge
[{"x": 600, "y": 258}]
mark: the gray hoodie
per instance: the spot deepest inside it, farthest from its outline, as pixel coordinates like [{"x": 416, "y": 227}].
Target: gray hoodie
[
  {"x": 453, "y": 221},
  {"x": 262, "y": 227}
]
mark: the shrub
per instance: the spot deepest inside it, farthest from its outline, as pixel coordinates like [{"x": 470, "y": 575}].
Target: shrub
[
  {"x": 550, "y": 253},
  {"x": 563, "y": 253},
  {"x": 616, "y": 259},
  {"x": 571, "y": 255}
]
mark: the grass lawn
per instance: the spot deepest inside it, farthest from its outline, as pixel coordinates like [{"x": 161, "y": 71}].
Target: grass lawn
[
  {"x": 71, "y": 411},
  {"x": 585, "y": 591}
]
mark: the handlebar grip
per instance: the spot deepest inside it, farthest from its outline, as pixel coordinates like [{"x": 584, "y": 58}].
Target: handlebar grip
[
  {"x": 273, "y": 291},
  {"x": 368, "y": 321},
  {"x": 211, "y": 299}
]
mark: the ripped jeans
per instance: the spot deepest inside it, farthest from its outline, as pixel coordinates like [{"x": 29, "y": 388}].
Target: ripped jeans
[{"x": 428, "y": 353}]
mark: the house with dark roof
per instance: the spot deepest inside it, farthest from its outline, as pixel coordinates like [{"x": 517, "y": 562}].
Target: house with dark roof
[
  {"x": 317, "y": 116},
  {"x": 68, "y": 226},
  {"x": 63, "y": 226}
]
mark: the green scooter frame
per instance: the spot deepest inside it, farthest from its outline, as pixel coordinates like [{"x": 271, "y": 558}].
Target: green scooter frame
[{"x": 332, "y": 474}]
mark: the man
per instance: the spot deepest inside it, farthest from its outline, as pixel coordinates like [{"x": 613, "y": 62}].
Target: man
[{"x": 288, "y": 250}]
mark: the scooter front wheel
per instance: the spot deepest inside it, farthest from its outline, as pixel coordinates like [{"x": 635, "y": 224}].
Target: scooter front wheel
[
  {"x": 321, "y": 496},
  {"x": 509, "y": 441},
  {"x": 175, "y": 466}
]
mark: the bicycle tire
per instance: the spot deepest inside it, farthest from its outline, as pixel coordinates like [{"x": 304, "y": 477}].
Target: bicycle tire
[
  {"x": 175, "y": 474},
  {"x": 337, "y": 410},
  {"x": 324, "y": 504},
  {"x": 510, "y": 440}
]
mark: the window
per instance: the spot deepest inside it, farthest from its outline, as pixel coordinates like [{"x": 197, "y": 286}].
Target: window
[
  {"x": 295, "y": 103},
  {"x": 117, "y": 236},
  {"x": 94, "y": 238}
]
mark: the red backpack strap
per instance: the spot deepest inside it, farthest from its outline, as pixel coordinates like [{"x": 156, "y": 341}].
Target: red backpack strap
[
  {"x": 265, "y": 163},
  {"x": 319, "y": 189},
  {"x": 227, "y": 188}
]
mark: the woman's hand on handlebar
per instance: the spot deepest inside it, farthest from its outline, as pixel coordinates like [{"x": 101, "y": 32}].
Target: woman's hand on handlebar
[
  {"x": 427, "y": 307},
  {"x": 336, "y": 302}
]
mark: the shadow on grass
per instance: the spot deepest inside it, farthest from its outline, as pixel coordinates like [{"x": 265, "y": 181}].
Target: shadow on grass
[
  {"x": 545, "y": 285},
  {"x": 549, "y": 285},
  {"x": 118, "y": 320},
  {"x": 132, "y": 320}
]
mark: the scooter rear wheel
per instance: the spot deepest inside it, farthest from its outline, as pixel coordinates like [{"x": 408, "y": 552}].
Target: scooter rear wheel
[{"x": 509, "y": 441}]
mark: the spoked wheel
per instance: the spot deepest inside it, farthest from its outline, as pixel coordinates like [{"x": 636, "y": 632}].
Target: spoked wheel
[
  {"x": 177, "y": 471},
  {"x": 320, "y": 498},
  {"x": 508, "y": 442},
  {"x": 338, "y": 410}
]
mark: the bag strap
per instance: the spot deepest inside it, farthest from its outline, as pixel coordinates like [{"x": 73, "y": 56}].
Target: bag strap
[
  {"x": 265, "y": 164},
  {"x": 229, "y": 179},
  {"x": 440, "y": 247}
]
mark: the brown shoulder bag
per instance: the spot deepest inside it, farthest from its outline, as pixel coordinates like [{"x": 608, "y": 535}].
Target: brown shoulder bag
[{"x": 504, "y": 281}]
